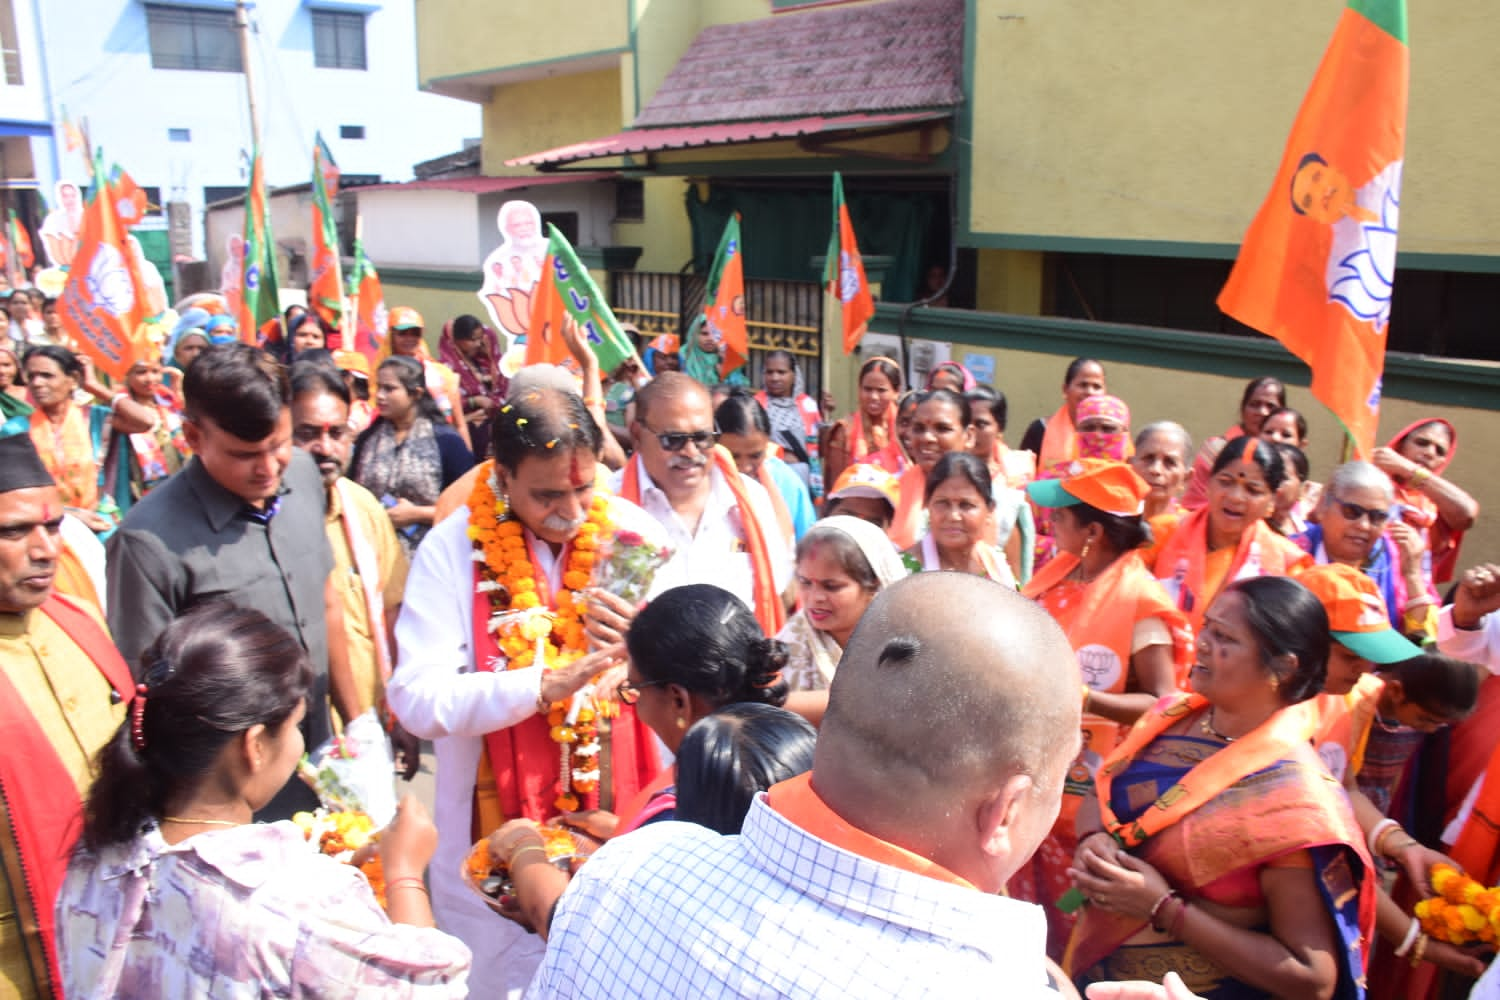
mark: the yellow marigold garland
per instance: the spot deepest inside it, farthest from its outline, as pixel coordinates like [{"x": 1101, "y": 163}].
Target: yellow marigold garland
[
  {"x": 1463, "y": 909},
  {"x": 524, "y": 628}
]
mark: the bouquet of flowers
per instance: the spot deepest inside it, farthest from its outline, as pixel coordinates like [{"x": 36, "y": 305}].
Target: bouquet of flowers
[
  {"x": 627, "y": 564},
  {"x": 340, "y": 835},
  {"x": 354, "y": 772}
]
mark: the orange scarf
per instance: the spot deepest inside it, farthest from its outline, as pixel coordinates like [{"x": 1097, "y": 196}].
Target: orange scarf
[
  {"x": 1477, "y": 849},
  {"x": 1017, "y": 467},
  {"x": 797, "y": 801},
  {"x": 768, "y": 609},
  {"x": 778, "y": 502},
  {"x": 1182, "y": 562},
  {"x": 1310, "y": 811},
  {"x": 906, "y": 529},
  {"x": 68, "y": 453},
  {"x": 886, "y": 454},
  {"x": 1059, "y": 442}
]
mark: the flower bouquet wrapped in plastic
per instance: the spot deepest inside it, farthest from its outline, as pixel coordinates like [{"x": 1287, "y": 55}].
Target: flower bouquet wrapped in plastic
[{"x": 627, "y": 564}]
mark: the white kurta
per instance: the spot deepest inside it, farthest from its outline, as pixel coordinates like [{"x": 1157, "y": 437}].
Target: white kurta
[
  {"x": 715, "y": 552},
  {"x": 438, "y": 694}
]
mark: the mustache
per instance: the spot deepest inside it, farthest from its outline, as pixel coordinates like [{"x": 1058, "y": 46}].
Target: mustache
[
  {"x": 687, "y": 461},
  {"x": 561, "y": 525}
]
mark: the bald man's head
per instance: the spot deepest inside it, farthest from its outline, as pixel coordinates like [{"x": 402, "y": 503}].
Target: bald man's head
[
  {"x": 669, "y": 387},
  {"x": 674, "y": 435},
  {"x": 950, "y": 686}
]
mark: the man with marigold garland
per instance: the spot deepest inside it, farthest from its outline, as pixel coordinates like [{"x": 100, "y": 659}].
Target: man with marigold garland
[{"x": 498, "y": 639}]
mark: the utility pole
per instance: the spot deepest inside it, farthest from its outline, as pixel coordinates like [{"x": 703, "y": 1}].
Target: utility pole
[{"x": 242, "y": 27}]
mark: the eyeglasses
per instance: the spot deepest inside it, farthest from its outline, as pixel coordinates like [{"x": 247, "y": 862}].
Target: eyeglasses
[
  {"x": 1353, "y": 512},
  {"x": 630, "y": 692},
  {"x": 678, "y": 440}
]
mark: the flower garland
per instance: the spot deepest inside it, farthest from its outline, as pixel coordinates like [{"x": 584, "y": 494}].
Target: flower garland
[
  {"x": 1463, "y": 909},
  {"x": 527, "y": 632}
]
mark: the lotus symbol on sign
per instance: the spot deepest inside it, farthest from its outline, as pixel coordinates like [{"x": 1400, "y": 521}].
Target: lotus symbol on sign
[{"x": 848, "y": 278}]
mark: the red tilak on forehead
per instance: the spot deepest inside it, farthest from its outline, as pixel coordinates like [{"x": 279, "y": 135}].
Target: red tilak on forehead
[
  {"x": 46, "y": 512},
  {"x": 581, "y": 470}
]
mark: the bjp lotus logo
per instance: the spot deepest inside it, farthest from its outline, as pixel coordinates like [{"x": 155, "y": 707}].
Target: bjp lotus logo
[
  {"x": 848, "y": 277},
  {"x": 108, "y": 281}
]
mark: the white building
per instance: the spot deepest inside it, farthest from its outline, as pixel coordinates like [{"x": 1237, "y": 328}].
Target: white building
[
  {"x": 27, "y": 157},
  {"x": 161, "y": 88}
]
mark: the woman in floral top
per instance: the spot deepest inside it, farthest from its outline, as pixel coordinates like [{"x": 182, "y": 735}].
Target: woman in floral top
[{"x": 175, "y": 891}]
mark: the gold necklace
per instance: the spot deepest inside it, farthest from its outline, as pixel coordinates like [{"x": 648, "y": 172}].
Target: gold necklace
[
  {"x": 205, "y": 822},
  {"x": 1208, "y": 727}
]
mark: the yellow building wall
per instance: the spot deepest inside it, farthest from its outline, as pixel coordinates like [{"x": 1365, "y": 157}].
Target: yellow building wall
[
  {"x": 1163, "y": 120},
  {"x": 459, "y": 37},
  {"x": 522, "y": 118},
  {"x": 1009, "y": 281},
  {"x": 437, "y": 306},
  {"x": 665, "y": 237}
]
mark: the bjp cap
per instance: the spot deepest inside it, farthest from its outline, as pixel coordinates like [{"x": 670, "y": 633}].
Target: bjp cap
[
  {"x": 1356, "y": 613},
  {"x": 1111, "y": 487},
  {"x": 406, "y": 318},
  {"x": 867, "y": 481}
]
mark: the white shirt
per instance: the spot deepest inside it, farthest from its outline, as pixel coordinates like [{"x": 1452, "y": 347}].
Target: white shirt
[
  {"x": 715, "y": 552},
  {"x": 676, "y": 910},
  {"x": 437, "y": 694}
]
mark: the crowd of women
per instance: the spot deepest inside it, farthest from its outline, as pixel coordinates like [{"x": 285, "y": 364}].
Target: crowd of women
[{"x": 1254, "y": 638}]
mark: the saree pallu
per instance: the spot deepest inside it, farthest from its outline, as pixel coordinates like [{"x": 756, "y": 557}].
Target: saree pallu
[{"x": 1215, "y": 852}]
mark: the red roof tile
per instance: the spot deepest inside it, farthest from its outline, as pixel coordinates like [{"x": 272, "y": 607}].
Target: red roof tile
[
  {"x": 893, "y": 56},
  {"x": 489, "y": 185},
  {"x": 648, "y": 140}
]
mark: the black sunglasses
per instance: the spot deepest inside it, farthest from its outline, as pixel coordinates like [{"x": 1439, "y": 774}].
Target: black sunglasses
[
  {"x": 678, "y": 440},
  {"x": 629, "y": 692},
  {"x": 1353, "y": 512}
]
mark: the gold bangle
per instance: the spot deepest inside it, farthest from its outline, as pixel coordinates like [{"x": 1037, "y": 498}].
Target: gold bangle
[
  {"x": 1418, "y": 951},
  {"x": 1418, "y": 479},
  {"x": 511, "y": 862},
  {"x": 1088, "y": 696}
]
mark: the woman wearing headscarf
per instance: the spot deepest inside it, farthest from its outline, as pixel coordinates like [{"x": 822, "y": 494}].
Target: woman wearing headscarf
[
  {"x": 842, "y": 563},
  {"x": 702, "y": 356},
  {"x": 405, "y": 340},
  {"x": 1415, "y": 459},
  {"x": 795, "y": 418},
  {"x": 472, "y": 350},
  {"x": 952, "y": 376},
  {"x": 1101, "y": 429}
]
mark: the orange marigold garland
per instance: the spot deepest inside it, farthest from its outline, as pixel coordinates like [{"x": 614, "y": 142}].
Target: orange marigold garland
[
  {"x": 1463, "y": 910},
  {"x": 526, "y": 631}
]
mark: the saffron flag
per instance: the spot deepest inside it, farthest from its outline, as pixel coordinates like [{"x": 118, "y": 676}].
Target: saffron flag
[
  {"x": 1316, "y": 268},
  {"x": 325, "y": 286},
  {"x": 259, "y": 300},
  {"x": 724, "y": 314},
  {"x": 19, "y": 238},
  {"x": 103, "y": 306},
  {"x": 567, "y": 289},
  {"x": 844, "y": 273},
  {"x": 367, "y": 304}
]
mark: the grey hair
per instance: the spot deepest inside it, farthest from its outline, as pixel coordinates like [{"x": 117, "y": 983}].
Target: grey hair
[
  {"x": 538, "y": 377},
  {"x": 1357, "y": 476},
  {"x": 1166, "y": 427}
]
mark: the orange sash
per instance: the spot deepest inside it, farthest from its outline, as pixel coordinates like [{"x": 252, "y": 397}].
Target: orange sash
[
  {"x": 1340, "y": 724},
  {"x": 768, "y": 609},
  {"x": 1018, "y": 467},
  {"x": 907, "y": 527},
  {"x": 1059, "y": 441},
  {"x": 888, "y": 455},
  {"x": 1310, "y": 809},
  {"x": 797, "y": 801},
  {"x": 1182, "y": 562},
  {"x": 68, "y": 453},
  {"x": 778, "y": 502}
]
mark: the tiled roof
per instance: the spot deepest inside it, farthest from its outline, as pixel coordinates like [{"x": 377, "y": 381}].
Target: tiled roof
[
  {"x": 655, "y": 140},
  {"x": 490, "y": 185},
  {"x": 894, "y": 56}
]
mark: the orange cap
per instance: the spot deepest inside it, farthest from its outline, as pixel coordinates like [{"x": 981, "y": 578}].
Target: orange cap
[
  {"x": 352, "y": 361},
  {"x": 666, "y": 343},
  {"x": 867, "y": 481},
  {"x": 1357, "y": 615},
  {"x": 1112, "y": 487},
  {"x": 405, "y": 318}
]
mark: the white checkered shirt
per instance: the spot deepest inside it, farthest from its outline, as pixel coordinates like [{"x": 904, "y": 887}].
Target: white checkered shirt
[{"x": 676, "y": 910}]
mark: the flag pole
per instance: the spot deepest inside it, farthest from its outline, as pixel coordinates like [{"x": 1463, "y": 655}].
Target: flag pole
[
  {"x": 242, "y": 27},
  {"x": 351, "y": 343}
]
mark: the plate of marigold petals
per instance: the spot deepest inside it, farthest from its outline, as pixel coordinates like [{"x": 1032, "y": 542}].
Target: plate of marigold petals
[{"x": 566, "y": 848}]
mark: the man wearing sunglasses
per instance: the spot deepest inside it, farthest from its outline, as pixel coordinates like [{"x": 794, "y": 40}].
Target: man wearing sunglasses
[
  {"x": 721, "y": 526},
  {"x": 1360, "y": 525}
]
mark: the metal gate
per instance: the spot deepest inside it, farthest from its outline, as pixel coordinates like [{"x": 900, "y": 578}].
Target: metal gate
[{"x": 780, "y": 315}]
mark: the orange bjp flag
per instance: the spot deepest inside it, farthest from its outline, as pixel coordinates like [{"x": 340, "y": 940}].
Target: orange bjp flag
[
  {"x": 725, "y": 312},
  {"x": 103, "y": 305},
  {"x": 1318, "y": 263},
  {"x": 544, "y": 342},
  {"x": 844, "y": 272}
]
